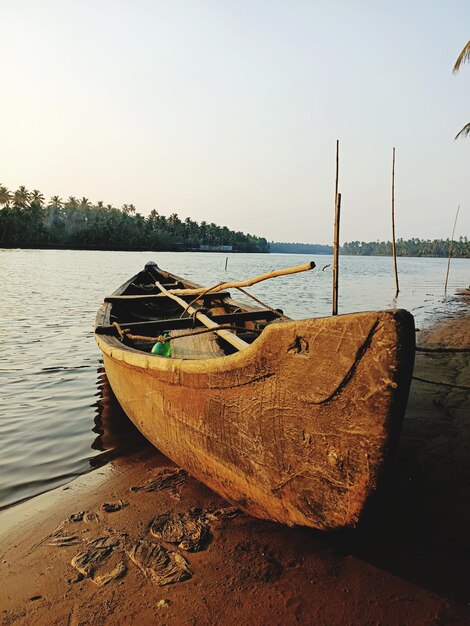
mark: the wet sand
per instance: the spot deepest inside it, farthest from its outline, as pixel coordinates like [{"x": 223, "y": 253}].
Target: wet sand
[{"x": 408, "y": 563}]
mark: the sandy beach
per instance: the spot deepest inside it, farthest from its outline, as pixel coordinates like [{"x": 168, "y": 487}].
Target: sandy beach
[{"x": 85, "y": 553}]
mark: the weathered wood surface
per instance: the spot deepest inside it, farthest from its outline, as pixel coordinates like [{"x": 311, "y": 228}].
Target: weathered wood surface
[
  {"x": 296, "y": 427},
  {"x": 195, "y": 346},
  {"x": 245, "y": 283}
]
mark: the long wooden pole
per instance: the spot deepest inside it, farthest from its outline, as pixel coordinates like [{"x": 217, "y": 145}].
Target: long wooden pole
[
  {"x": 337, "y": 170},
  {"x": 394, "y": 251},
  {"x": 450, "y": 249},
  {"x": 336, "y": 255},
  {"x": 336, "y": 236},
  {"x": 231, "y": 338},
  {"x": 244, "y": 283}
]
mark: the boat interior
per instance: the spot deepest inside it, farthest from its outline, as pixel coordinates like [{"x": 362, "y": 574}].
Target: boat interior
[{"x": 142, "y": 310}]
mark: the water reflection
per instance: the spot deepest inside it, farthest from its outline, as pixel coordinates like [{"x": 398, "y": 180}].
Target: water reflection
[{"x": 117, "y": 435}]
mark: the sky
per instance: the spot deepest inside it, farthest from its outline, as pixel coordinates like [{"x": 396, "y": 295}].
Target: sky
[{"x": 229, "y": 110}]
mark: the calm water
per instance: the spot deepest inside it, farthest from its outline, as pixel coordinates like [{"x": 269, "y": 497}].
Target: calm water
[{"x": 57, "y": 416}]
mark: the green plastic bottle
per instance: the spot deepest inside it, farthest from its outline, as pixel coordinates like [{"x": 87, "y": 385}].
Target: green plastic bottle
[{"x": 162, "y": 348}]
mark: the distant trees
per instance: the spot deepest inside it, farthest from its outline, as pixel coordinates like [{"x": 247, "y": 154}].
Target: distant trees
[
  {"x": 26, "y": 219},
  {"x": 21, "y": 197},
  {"x": 463, "y": 57},
  {"x": 411, "y": 247},
  {"x": 37, "y": 197},
  {"x": 5, "y": 196},
  {"x": 56, "y": 202}
]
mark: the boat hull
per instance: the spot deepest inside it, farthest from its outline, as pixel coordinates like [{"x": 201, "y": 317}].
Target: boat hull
[{"x": 296, "y": 428}]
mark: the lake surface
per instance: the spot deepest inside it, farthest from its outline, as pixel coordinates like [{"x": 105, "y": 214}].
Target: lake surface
[{"x": 58, "y": 418}]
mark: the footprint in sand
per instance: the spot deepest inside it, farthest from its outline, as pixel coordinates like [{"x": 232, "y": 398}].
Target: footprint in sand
[
  {"x": 190, "y": 531},
  {"x": 112, "y": 507},
  {"x": 102, "y": 561},
  {"x": 161, "y": 566},
  {"x": 76, "y": 517},
  {"x": 60, "y": 538},
  {"x": 68, "y": 533}
]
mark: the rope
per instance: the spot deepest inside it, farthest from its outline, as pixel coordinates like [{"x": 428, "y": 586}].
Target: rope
[{"x": 125, "y": 334}]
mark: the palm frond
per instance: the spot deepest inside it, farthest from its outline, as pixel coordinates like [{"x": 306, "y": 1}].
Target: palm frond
[
  {"x": 463, "y": 57},
  {"x": 465, "y": 132}
]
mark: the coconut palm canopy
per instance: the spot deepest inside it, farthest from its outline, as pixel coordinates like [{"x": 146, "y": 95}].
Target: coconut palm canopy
[
  {"x": 464, "y": 57},
  {"x": 27, "y": 220}
]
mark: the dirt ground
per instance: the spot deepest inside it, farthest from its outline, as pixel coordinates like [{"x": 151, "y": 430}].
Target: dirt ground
[{"x": 84, "y": 553}]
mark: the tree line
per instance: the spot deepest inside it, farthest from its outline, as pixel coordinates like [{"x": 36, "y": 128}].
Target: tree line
[
  {"x": 27, "y": 220},
  {"x": 410, "y": 247}
]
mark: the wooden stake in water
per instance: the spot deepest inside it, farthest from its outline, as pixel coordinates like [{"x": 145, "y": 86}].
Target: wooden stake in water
[
  {"x": 450, "y": 249},
  {"x": 394, "y": 251},
  {"x": 336, "y": 254},
  {"x": 226, "y": 261},
  {"x": 336, "y": 236}
]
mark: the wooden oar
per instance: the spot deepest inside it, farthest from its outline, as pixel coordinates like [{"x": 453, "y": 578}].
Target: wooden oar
[
  {"x": 232, "y": 339},
  {"x": 244, "y": 283}
]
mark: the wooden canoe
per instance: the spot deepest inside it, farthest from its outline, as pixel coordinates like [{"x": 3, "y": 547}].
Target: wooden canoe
[{"x": 297, "y": 426}]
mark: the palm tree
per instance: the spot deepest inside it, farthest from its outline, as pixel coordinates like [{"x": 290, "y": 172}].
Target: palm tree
[
  {"x": 72, "y": 202},
  {"x": 21, "y": 197},
  {"x": 85, "y": 203},
  {"x": 5, "y": 196},
  {"x": 464, "y": 57},
  {"x": 37, "y": 197},
  {"x": 128, "y": 209},
  {"x": 56, "y": 202}
]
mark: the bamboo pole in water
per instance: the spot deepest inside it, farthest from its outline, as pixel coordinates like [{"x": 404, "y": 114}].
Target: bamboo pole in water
[
  {"x": 450, "y": 249},
  {"x": 336, "y": 255},
  {"x": 394, "y": 251},
  {"x": 336, "y": 236},
  {"x": 337, "y": 170}
]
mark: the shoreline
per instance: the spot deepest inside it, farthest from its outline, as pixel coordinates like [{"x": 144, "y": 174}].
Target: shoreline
[
  {"x": 407, "y": 562},
  {"x": 144, "y": 249}
]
